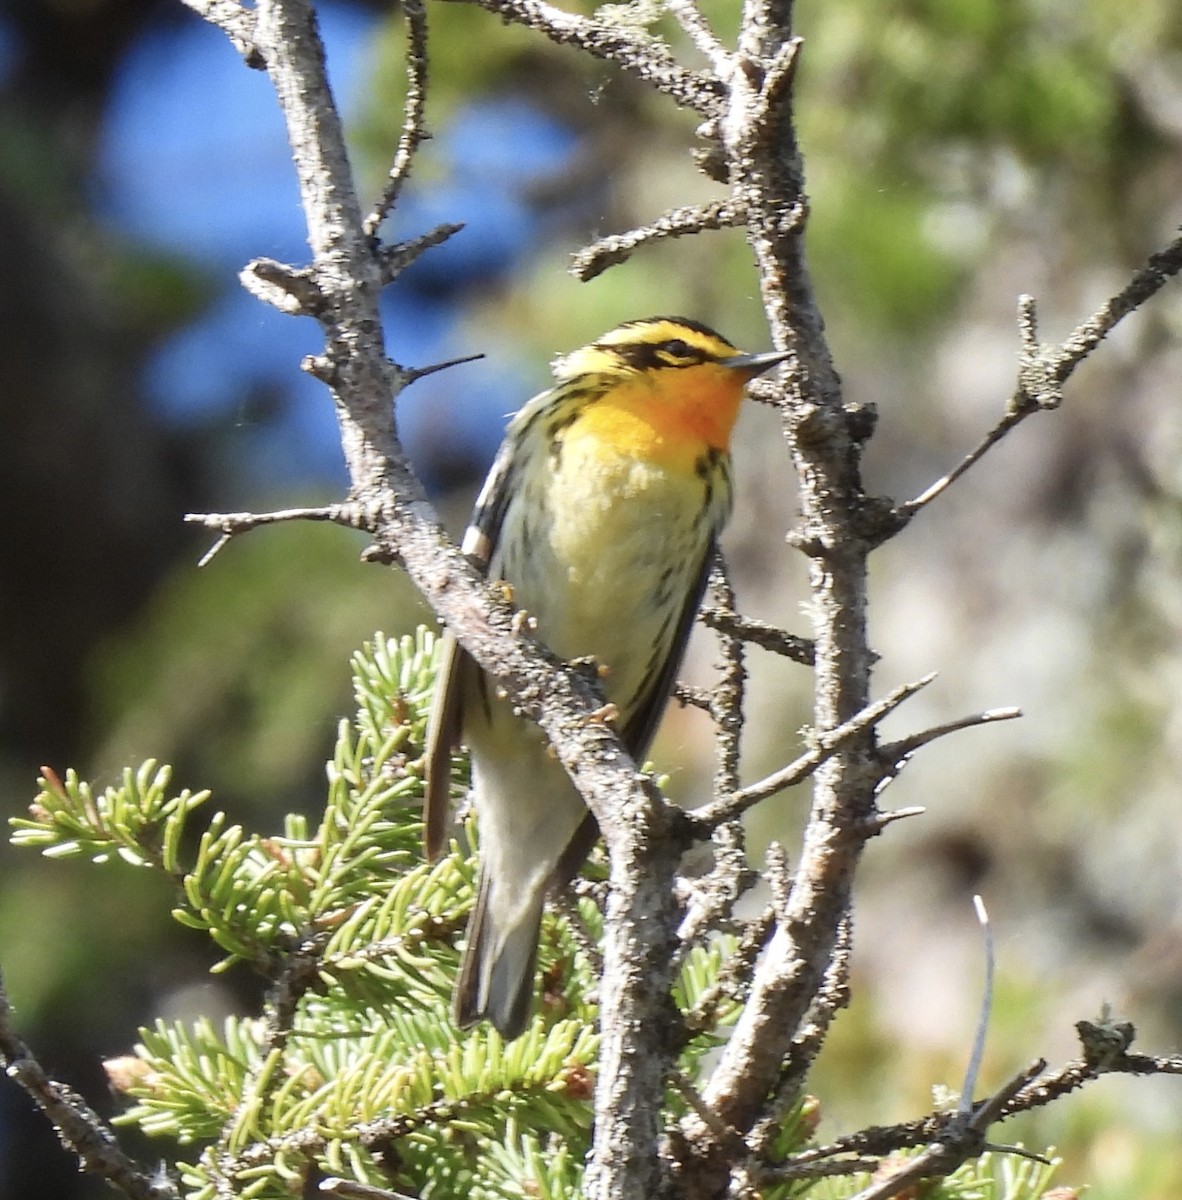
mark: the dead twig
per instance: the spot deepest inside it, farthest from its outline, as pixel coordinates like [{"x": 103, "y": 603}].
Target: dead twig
[
  {"x": 1045, "y": 369},
  {"x": 79, "y": 1128}
]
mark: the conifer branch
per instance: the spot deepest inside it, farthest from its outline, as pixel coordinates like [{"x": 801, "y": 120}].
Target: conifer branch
[{"x": 78, "y": 1126}]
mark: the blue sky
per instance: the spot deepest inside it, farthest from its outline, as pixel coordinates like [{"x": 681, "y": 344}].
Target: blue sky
[{"x": 194, "y": 161}]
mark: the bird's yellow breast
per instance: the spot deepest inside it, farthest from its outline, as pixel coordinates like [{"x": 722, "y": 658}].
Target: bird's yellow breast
[{"x": 606, "y": 535}]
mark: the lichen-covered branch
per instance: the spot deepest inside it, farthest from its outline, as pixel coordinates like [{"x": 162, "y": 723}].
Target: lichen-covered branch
[{"x": 630, "y": 48}]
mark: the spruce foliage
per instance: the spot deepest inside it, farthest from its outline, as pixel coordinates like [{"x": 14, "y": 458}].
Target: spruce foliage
[{"x": 354, "y": 1068}]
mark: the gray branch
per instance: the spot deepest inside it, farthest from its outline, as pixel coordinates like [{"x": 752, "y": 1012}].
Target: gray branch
[{"x": 78, "y": 1126}]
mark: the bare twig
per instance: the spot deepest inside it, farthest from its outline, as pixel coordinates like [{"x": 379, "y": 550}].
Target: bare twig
[
  {"x": 825, "y": 746},
  {"x": 760, "y": 633},
  {"x": 690, "y": 1094},
  {"x": 941, "y": 485},
  {"x": 690, "y": 18},
  {"x": 961, "y": 1137},
  {"x": 79, "y": 1128},
  {"x": 230, "y": 525},
  {"x": 396, "y": 258},
  {"x": 791, "y": 1170},
  {"x": 733, "y": 977},
  {"x": 895, "y": 752},
  {"x": 678, "y": 222},
  {"x": 292, "y": 290},
  {"x": 973, "y": 1070},
  {"x": 952, "y": 1138},
  {"x": 640, "y": 55},
  {"x": 414, "y": 374},
  {"x": 1146, "y": 283},
  {"x": 414, "y": 130},
  {"x": 1044, "y": 369}
]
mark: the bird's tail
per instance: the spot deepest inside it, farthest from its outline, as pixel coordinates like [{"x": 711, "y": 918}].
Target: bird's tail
[{"x": 496, "y": 980}]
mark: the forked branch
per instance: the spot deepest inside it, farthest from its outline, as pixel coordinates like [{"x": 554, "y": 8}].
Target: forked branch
[{"x": 1044, "y": 369}]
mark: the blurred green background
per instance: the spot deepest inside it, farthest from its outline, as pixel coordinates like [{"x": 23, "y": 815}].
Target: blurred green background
[{"x": 958, "y": 154}]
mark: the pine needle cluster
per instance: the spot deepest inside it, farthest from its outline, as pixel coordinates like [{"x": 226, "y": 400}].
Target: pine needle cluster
[{"x": 354, "y": 1070}]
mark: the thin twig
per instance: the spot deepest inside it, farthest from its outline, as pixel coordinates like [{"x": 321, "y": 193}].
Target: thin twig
[
  {"x": 690, "y": 18},
  {"x": 962, "y": 1137},
  {"x": 734, "y": 975},
  {"x": 941, "y": 485},
  {"x": 786, "y": 1172},
  {"x": 1147, "y": 282},
  {"x": 79, "y": 1128},
  {"x": 894, "y": 752},
  {"x": 825, "y": 746},
  {"x": 762, "y": 634},
  {"x": 690, "y": 1094},
  {"x": 1045, "y": 369},
  {"x": 414, "y": 131},
  {"x": 396, "y": 258},
  {"x": 953, "y": 1138},
  {"x": 973, "y": 1069},
  {"x": 677, "y": 222},
  {"x": 230, "y": 525},
  {"x": 414, "y": 374},
  {"x": 638, "y": 54}
]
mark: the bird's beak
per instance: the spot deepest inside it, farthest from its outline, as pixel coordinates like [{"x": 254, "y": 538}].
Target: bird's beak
[{"x": 750, "y": 365}]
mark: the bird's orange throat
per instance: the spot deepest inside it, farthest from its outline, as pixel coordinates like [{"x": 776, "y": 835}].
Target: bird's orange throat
[{"x": 672, "y": 418}]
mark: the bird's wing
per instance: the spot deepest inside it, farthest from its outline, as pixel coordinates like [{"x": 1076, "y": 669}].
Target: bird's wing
[
  {"x": 640, "y": 727},
  {"x": 445, "y": 723},
  {"x": 443, "y": 733}
]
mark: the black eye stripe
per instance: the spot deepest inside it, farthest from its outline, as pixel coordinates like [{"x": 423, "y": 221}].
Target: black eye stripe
[{"x": 673, "y": 353}]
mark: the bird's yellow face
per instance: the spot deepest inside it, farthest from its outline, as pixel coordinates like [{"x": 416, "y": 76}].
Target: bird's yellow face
[{"x": 674, "y": 386}]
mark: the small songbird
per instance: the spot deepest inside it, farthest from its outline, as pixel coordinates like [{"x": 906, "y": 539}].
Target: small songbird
[{"x": 601, "y": 511}]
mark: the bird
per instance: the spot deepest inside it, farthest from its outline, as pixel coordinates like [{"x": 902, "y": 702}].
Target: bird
[{"x": 601, "y": 513}]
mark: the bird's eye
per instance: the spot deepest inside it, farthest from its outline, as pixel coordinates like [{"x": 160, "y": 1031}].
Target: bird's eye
[{"x": 676, "y": 348}]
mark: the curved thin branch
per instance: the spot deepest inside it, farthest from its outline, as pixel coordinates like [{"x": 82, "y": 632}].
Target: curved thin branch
[
  {"x": 826, "y": 745},
  {"x": 231, "y": 525},
  {"x": 635, "y": 51},
  {"x": 896, "y": 752},
  {"x": 1045, "y": 369},
  {"x": 690, "y": 18},
  {"x": 414, "y": 129},
  {"x": 678, "y": 222},
  {"x": 761, "y": 633}
]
